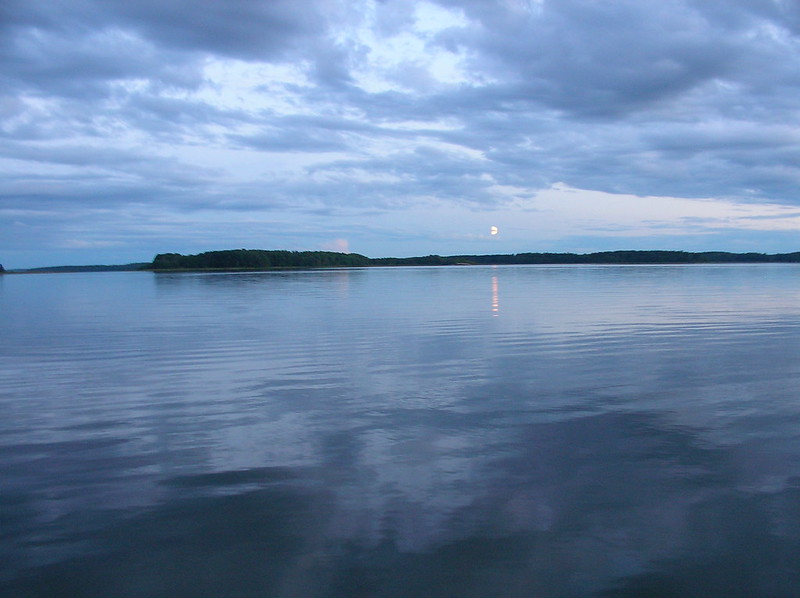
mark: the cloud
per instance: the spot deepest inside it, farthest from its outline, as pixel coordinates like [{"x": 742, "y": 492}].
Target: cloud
[
  {"x": 593, "y": 59},
  {"x": 84, "y": 244},
  {"x": 260, "y": 108}
]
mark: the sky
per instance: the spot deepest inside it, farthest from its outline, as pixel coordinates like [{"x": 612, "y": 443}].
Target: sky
[{"x": 396, "y": 127}]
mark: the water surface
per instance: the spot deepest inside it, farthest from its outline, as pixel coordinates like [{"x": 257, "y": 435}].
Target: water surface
[{"x": 454, "y": 431}]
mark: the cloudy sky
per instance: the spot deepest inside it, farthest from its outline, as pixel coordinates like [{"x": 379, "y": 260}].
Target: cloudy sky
[{"x": 396, "y": 127}]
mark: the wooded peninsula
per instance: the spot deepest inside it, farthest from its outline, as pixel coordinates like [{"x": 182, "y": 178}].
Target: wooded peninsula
[{"x": 259, "y": 259}]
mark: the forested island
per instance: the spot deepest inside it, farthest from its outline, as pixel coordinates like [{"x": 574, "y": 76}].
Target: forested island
[{"x": 259, "y": 259}]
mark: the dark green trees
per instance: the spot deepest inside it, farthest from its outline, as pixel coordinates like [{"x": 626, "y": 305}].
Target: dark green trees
[{"x": 256, "y": 259}]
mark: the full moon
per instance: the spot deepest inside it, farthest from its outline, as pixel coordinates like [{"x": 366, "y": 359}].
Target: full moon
[{"x": 493, "y": 230}]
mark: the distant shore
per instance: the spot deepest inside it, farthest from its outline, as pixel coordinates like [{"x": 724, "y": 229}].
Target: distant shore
[
  {"x": 65, "y": 269},
  {"x": 259, "y": 259}
]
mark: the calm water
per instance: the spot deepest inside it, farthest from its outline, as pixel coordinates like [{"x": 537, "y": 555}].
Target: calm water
[{"x": 464, "y": 431}]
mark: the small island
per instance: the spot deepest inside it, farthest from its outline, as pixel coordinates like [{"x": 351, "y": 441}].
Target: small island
[
  {"x": 256, "y": 259},
  {"x": 259, "y": 259}
]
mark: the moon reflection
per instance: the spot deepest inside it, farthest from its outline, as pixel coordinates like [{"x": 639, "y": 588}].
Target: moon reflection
[{"x": 495, "y": 297}]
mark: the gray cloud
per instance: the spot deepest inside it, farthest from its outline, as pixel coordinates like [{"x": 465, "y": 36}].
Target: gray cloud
[
  {"x": 597, "y": 60},
  {"x": 687, "y": 99},
  {"x": 239, "y": 28}
]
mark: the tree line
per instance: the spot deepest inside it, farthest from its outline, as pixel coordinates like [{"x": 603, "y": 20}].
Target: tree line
[
  {"x": 259, "y": 259},
  {"x": 602, "y": 257},
  {"x": 255, "y": 259}
]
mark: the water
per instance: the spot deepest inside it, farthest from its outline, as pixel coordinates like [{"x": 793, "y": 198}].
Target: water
[{"x": 461, "y": 431}]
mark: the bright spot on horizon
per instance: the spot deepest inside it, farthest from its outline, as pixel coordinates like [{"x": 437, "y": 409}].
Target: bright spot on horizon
[{"x": 493, "y": 231}]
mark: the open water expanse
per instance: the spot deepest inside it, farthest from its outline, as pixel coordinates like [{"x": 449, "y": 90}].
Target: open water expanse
[{"x": 516, "y": 431}]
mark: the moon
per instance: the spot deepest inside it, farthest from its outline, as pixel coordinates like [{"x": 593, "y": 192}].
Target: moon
[{"x": 493, "y": 230}]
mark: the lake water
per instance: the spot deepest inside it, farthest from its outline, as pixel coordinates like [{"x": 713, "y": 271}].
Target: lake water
[{"x": 413, "y": 432}]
